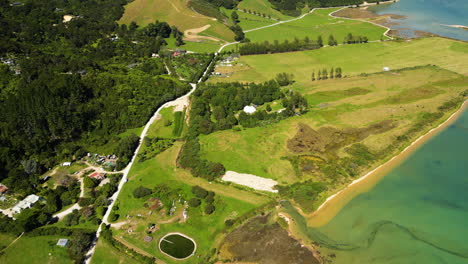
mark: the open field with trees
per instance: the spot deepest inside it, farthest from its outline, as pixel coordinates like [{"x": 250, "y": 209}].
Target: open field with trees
[
  {"x": 315, "y": 24},
  {"x": 174, "y": 12},
  {"x": 353, "y": 123},
  {"x": 106, "y": 254},
  {"x": 262, "y": 7},
  {"x": 159, "y": 180},
  {"x": 29, "y": 250},
  {"x": 354, "y": 59}
]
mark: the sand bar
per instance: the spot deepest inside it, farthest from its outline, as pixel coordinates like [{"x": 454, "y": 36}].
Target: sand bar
[{"x": 337, "y": 201}]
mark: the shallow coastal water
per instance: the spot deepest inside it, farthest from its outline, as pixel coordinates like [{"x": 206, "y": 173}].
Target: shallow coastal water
[
  {"x": 428, "y": 15},
  {"x": 418, "y": 213}
]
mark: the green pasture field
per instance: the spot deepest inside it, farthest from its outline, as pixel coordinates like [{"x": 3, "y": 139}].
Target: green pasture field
[
  {"x": 318, "y": 23},
  {"x": 230, "y": 202},
  {"x": 32, "y": 250},
  {"x": 262, "y": 6},
  {"x": 354, "y": 59},
  {"x": 204, "y": 46},
  {"x": 249, "y": 21},
  {"x": 106, "y": 254},
  {"x": 353, "y": 102},
  {"x": 5, "y": 240}
]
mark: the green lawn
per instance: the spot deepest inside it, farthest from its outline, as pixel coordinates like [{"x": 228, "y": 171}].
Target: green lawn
[
  {"x": 352, "y": 102},
  {"x": 32, "y": 250},
  {"x": 315, "y": 24},
  {"x": 355, "y": 59},
  {"x": 106, "y": 254}
]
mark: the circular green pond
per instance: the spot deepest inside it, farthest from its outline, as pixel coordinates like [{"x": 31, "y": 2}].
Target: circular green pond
[{"x": 177, "y": 245}]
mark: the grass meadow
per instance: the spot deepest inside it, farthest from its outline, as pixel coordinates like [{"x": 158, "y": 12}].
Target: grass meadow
[
  {"x": 315, "y": 24},
  {"x": 106, "y": 254},
  {"x": 354, "y": 59},
  {"x": 262, "y": 6},
  {"x": 35, "y": 250},
  {"x": 353, "y": 102}
]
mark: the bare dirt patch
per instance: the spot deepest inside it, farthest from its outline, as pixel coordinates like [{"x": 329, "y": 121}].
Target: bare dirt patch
[
  {"x": 252, "y": 181},
  {"x": 263, "y": 242},
  {"x": 192, "y": 34}
]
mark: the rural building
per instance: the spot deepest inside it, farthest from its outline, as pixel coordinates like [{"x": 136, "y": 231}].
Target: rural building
[
  {"x": 26, "y": 203},
  {"x": 386, "y": 68},
  {"x": 2, "y": 199},
  {"x": 3, "y": 188},
  {"x": 178, "y": 52},
  {"x": 97, "y": 175},
  {"x": 249, "y": 109},
  {"x": 63, "y": 242},
  {"x": 66, "y": 164}
]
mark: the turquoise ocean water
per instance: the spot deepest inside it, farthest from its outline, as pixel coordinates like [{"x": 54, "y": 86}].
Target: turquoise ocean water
[
  {"x": 418, "y": 213},
  {"x": 429, "y": 15}
]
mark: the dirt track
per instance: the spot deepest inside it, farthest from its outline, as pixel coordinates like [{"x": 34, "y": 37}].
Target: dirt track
[{"x": 192, "y": 34}]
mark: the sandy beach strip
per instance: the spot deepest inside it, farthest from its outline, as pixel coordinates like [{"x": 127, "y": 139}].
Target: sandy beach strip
[{"x": 333, "y": 204}]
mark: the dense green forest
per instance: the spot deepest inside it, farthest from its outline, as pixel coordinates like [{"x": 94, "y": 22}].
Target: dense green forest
[{"x": 66, "y": 85}]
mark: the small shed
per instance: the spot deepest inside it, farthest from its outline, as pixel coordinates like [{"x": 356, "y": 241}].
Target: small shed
[
  {"x": 63, "y": 242},
  {"x": 249, "y": 109},
  {"x": 386, "y": 69},
  {"x": 66, "y": 164},
  {"x": 2, "y": 199}
]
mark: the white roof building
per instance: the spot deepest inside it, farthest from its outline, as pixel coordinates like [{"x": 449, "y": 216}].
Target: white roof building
[
  {"x": 63, "y": 242},
  {"x": 67, "y": 164},
  {"x": 386, "y": 68},
  {"x": 27, "y": 202},
  {"x": 249, "y": 109}
]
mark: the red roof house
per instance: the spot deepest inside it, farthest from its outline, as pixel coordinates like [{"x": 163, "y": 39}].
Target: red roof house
[{"x": 97, "y": 175}]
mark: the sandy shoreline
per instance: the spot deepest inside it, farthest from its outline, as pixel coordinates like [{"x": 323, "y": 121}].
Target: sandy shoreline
[{"x": 333, "y": 204}]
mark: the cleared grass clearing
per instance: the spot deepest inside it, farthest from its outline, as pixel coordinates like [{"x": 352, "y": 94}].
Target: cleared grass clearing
[
  {"x": 262, "y": 6},
  {"x": 106, "y": 254},
  {"x": 41, "y": 249},
  {"x": 174, "y": 12},
  {"x": 259, "y": 150},
  {"x": 315, "y": 24},
  {"x": 354, "y": 59}
]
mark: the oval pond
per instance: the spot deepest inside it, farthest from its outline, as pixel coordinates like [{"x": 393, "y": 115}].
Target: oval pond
[{"x": 177, "y": 245}]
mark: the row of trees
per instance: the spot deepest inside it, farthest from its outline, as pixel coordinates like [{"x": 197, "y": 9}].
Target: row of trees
[
  {"x": 253, "y": 12},
  {"x": 324, "y": 74},
  {"x": 277, "y": 47}
]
